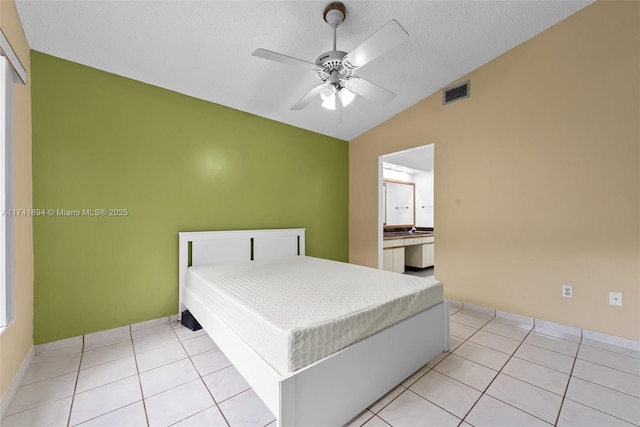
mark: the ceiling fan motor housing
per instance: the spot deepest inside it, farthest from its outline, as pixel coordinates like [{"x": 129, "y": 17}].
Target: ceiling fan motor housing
[{"x": 332, "y": 61}]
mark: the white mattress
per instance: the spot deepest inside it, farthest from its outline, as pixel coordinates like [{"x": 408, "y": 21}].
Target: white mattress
[{"x": 296, "y": 310}]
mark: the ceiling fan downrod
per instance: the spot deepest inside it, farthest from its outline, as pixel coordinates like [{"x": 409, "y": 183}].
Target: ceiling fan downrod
[{"x": 334, "y": 15}]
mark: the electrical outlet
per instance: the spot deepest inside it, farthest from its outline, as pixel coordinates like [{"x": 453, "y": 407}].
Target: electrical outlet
[
  {"x": 567, "y": 291},
  {"x": 615, "y": 298}
]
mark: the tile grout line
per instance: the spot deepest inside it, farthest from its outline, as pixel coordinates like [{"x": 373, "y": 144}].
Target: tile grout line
[
  {"x": 607, "y": 366},
  {"x": 215, "y": 402},
  {"x": 512, "y": 355},
  {"x": 571, "y": 376},
  {"x": 454, "y": 379},
  {"x": 541, "y": 365},
  {"x": 30, "y": 408},
  {"x": 574, "y": 357},
  {"x": 607, "y": 387},
  {"x": 386, "y": 394},
  {"x": 408, "y": 389},
  {"x": 533, "y": 345},
  {"x": 610, "y": 351},
  {"x": 462, "y": 419},
  {"x": 180, "y": 341},
  {"x": 166, "y": 364},
  {"x": 135, "y": 359},
  {"x": 380, "y": 418},
  {"x": 499, "y": 372},
  {"x": 482, "y": 393},
  {"x": 564, "y": 395},
  {"x": 75, "y": 386},
  {"x": 435, "y": 404},
  {"x": 109, "y": 382}
]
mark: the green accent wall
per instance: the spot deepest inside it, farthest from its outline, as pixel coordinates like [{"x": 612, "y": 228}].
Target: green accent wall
[{"x": 176, "y": 163}]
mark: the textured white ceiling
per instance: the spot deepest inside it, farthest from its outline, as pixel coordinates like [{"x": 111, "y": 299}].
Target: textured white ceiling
[
  {"x": 419, "y": 158},
  {"x": 203, "y": 48}
]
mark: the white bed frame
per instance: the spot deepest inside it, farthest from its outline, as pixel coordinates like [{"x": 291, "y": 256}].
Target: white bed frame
[{"x": 333, "y": 390}]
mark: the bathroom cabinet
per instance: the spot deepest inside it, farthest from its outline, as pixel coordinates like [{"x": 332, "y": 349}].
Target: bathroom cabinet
[{"x": 414, "y": 251}]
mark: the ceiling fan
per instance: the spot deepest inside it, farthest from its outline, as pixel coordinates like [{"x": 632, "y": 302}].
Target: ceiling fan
[{"x": 336, "y": 68}]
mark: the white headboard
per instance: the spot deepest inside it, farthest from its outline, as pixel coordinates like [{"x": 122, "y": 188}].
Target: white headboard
[{"x": 217, "y": 247}]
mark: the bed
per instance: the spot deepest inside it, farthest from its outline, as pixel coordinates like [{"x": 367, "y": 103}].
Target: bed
[{"x": 338, "y": 351}]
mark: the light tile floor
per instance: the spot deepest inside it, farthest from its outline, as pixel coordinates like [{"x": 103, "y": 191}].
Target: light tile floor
[{"x": 498, "y": 373}]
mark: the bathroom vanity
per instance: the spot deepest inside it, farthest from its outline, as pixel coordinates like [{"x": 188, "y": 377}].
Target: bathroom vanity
[{"x": 404, "y": 248}]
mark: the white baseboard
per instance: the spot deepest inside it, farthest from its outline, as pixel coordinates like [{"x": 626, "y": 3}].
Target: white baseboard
[
  {"x": 610, "y": 339},
  {"x": 16, "y": 383},
  {"x": 558, "y": 330}
]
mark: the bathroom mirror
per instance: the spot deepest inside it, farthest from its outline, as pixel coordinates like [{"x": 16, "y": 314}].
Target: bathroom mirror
[{"x": 399, "y": 203}]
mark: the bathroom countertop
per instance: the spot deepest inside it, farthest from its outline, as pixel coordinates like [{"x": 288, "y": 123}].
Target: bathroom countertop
[{"x": 388, "y": 235}]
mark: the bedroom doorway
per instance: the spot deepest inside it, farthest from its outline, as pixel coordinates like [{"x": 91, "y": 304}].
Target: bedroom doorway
[{"x": 406, "y": 245}]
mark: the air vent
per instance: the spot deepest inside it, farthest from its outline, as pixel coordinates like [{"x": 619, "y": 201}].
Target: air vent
[{"x": 455, "y": 93}]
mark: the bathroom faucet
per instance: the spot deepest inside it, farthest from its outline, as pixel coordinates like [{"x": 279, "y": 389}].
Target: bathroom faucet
[{"x": 412, "y": 230}]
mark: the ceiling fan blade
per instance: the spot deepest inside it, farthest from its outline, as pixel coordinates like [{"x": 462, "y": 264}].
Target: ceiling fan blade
[
  {"x": 310, "y": 96},
  {"x": 387, "y": 37},
  {"x": 368, "y": 90},
  {"x": 284, "y": 59}
]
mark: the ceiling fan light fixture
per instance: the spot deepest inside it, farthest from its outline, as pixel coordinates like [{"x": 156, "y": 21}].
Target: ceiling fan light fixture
[
  {"x": 328, "y": 95},
  {"x": 346, "y": 96},
  {"x": 329, "y": 104}
]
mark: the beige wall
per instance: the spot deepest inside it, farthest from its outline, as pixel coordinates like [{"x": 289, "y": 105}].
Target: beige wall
[
  {"x": 537, "y": 176},
  {"x": 17, "y": 340}
]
